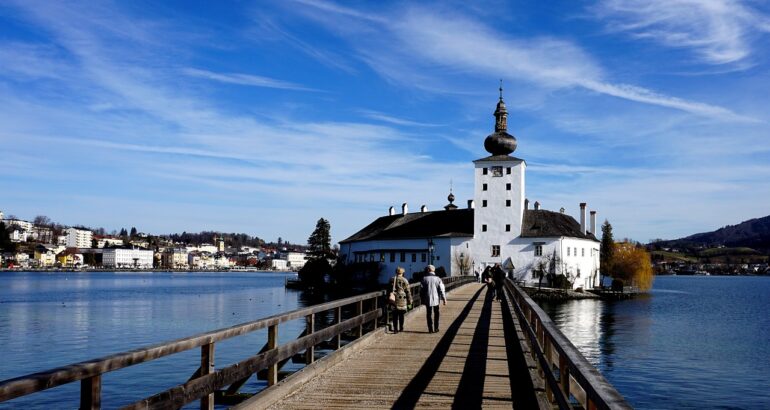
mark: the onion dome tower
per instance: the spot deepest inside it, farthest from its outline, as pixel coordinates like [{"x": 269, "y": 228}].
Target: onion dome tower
[{"x": 500, "y": 142}]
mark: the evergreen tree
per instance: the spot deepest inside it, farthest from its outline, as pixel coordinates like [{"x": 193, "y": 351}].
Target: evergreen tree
[
  {"x": 607, "y": 250},
  {"x": 133, "y": 231},
  {"x": 319, "y": 242},
  {"x": 5, "y": 239},
  {"x": 123, "y": 232}
]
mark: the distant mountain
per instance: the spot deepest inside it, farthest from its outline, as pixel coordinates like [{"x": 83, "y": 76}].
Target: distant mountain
[{"x": 754, "y": 233}]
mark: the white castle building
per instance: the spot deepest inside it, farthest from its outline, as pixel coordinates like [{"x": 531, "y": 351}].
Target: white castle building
[{"x": 497, "y": 227}]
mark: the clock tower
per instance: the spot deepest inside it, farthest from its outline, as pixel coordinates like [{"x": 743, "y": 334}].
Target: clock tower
[{"x": 498, "y": 193}]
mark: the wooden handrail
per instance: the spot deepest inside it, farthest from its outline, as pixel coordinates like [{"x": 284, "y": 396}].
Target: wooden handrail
[
  {"x": 577, "y": 377},
  {"x": 207, "y": 380},
  {"x": 91, "y": 370}
]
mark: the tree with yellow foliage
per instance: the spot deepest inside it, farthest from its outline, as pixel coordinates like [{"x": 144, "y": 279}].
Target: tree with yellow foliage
[{"x": 632, "y": 264}]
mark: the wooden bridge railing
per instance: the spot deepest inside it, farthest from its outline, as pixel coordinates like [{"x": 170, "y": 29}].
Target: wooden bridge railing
[
  {"x": 565, "y": 370},
  {"x": 207, "y": 380}
]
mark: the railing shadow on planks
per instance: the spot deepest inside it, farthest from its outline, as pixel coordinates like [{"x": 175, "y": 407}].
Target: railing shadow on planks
[
  {"x": 207, "y": 383},
  {"x": 568, "y": 376}
]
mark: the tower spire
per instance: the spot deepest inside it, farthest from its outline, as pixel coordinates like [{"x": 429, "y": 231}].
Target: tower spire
[{"x": 500, "y": 142}]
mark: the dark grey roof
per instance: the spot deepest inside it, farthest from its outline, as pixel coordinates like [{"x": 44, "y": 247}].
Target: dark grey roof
[
  {"x": 459, "y": 222},
  {"x": 455, "y": 222},
  {"x": 499, "y": 158},
  {"x": 542, "y": 223}
]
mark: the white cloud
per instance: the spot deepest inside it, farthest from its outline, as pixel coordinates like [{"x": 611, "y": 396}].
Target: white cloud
[
  {"x": 718, "y": 31},
  {"x": 245, "y": 79},
  {"x": 418, "y": 40}
]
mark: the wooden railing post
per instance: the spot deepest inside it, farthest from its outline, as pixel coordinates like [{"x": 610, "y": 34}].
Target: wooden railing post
[
  {"x": 375, "y": 309},
  {"x": 91, "y": 393},
  {"x": 338, "y": 338},
  {"x": 207, "y": 367},
  {"x": 548, "y": 353},
  {"x": 310, "y": 328},
  {"x": 272, "y": 343},
  {"x": 564, "y": 375},
  {"x": 359, "y": 312}
]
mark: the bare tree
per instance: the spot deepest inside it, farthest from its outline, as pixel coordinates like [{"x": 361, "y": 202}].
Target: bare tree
[
  {"x": 463, "y": 263},
  {"x": 42, "y": 220}
]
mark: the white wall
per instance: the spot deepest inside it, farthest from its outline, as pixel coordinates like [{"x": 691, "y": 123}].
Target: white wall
[{"x": 124, "y": 258}]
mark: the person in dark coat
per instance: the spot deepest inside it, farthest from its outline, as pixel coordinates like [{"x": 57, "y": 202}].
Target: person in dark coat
[{"x": 498, "y": 275}]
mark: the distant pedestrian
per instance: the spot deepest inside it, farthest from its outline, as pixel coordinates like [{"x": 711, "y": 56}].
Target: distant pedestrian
[
  {"x": 400, "y": 287},
  {"x": 498, "y": 276},
  {"x": 431, "y": 293},
  {"x": 478, "y": 275}
]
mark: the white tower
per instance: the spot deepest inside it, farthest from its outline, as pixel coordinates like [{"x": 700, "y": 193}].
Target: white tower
[{"x": 498, "y": 194}]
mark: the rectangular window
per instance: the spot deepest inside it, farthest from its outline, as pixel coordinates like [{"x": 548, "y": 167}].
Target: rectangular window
[
  {"x": 423, "y": 258},
  {"x": 392, "y": 256},
  {"x": 582, "y": 251},
  {"x": 538, "y": 250},
  {"x": 485, "y": 171},
  {"x": 507, "y": 228},
  {"x": 568, "y": 248},
  {"x": 497, "y": 171},
  {"x": 508, "y": 187},
  {"x": 508, "y": 170},
  {"x": 495, "y": 250},
  {"x": 484, "y": 187},
  {"x": 484, "y": 203},
  {"x": 507, "y": 202},
  {"x": 403, "y": 256},
  {"x": 414, "y": 257},
  {"x": 483, "y": 228},
  {"x": 575, "y": 249},
  {"x": 382, "y": 257}
]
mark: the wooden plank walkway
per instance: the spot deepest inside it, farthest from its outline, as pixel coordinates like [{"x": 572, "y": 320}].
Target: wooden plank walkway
[{"x": 466, "y": 365}]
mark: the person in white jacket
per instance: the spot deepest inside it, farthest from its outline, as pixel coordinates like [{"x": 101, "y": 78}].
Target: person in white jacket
[{"x": 431, "y": 292}]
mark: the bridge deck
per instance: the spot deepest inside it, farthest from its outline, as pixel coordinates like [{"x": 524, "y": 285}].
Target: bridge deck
[{"x": 466, "y": 365}]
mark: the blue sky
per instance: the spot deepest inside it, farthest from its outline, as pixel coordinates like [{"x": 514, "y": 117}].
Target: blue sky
[{"x": 261, "y": 117}]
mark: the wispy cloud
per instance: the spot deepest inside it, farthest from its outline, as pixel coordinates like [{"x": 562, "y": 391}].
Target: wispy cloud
[
  {"x": 718, "y": 31},
  {"x": 245, "y": 79},
  {"x": 452, "y": 43},
  {"x": 376, "y": 115}
]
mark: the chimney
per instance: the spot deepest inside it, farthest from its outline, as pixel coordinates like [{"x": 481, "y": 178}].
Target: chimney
[
  {"x": 526, "y": 203},
  {"x": 583, "y": 217},
  {"x": 424, "y": 208},
  {"x": 593, "y": 222},
  {"x": 471, "y": 204},
  {"x": 404, "y": 209},
  {"x": 391, "y": 211},
  {"x": 537, "y": 206}
]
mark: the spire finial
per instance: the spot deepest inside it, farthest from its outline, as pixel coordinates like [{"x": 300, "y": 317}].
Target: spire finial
[{"x": 501, "y": 89}]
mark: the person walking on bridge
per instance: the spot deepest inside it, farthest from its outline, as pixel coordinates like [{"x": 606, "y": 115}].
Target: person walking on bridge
[
  {"x": 432, "y": 292},
  {"x": 403, "y": 294}
]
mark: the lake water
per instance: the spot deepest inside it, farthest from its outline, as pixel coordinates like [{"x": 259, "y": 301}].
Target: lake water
[
  {"x": 696, "y": 342},
  {"x": 53, "y": 319}
]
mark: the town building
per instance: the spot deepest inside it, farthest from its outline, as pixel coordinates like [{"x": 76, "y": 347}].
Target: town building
[
  {"x": 127, "y": 258},
  {"x": 497, "y": 227},
  {"x": 175, "y": 258},
  {"x": 45, "y": 255},
  {"x": 70, "y": 258},
  {"x": 78, "y": 238}
]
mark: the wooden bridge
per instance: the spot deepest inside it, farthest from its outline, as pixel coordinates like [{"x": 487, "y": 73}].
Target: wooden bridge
[{"x": 488, "y": 354}]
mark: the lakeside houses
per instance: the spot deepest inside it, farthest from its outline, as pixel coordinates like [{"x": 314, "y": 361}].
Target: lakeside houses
[
  {"x": 174, "y": 258},
  {"x": 289, "y": 261},
  {"x": 127, "y": 258},
  {"x": 78, "y": 238},
  {"x": 497, "y": 227}
]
